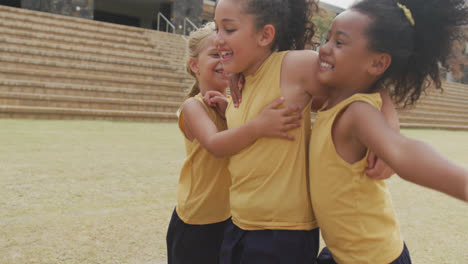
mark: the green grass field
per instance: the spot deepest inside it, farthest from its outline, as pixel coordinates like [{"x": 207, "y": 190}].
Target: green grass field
[{"x": 103, "y": 192}]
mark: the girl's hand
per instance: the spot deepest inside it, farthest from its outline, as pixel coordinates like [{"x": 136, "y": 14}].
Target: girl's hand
[
  {"x": 236, "y": 83},
  {"x": 275, "y": 122},
  {"x": 218, "y": 101},
  {"x": 377, "y": 168}
]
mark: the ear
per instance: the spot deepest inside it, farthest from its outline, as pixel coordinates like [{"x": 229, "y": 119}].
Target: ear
[
  {"x": 380, "y": 64},
  {"x": 193, "y": 63},
  {"x": 267, "y": 35}
]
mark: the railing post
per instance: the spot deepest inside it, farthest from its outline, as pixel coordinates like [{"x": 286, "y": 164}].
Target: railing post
[
  {"x": 168, "y": 23},
  {"x": 185, "y": 28}
]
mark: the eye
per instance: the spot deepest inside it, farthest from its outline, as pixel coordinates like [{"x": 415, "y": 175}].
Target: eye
[
  {"x": 230, "y": 30},
  {"x": 339, "y": 43},
  {"x": 324, "y": 41},
  {"x": 215, "y": 55}
]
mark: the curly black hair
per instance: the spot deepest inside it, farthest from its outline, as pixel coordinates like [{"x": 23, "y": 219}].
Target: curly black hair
[
  {"x": 418, "y": 51},
  {"x": 291, "y": 19}
]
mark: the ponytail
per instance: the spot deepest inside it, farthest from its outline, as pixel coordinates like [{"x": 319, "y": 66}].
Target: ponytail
[
  {"x": 297, "y": 28},
  {"x": 193, "y": 91}
]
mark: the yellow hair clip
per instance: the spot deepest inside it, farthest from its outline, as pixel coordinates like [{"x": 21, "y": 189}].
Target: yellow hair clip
[{"x": 407, "y": 12}]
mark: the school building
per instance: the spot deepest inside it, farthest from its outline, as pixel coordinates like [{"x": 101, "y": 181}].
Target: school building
[{"x": 138, "y": 13}]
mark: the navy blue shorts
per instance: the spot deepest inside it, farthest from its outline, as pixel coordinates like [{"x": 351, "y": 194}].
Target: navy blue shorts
[
  {"x": 269, "y": 246},
  {"x": 193, "y": 244},
  {"x": 326, "y": 257}
]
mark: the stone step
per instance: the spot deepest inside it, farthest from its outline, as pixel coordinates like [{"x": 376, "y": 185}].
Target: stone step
[
  {"x": 90, "y": 26},
  {"x": 442, "y": 100},
  {"x": 454, "y": 85},
  {"x": 75, "y": 34},
  {"x": 433, "y": 120},
  {"x": 412, "y": 123},
  {"x": 165, "y": 41},
  {"x": 83, "y": 102},
  {"x": 446, "y": 94},
  {"x": 63, "y": 67},
  {"x": 129, "y": 57},
  {"x": 92, "y": 69},
  {"x": 415, "y": 125},
  {"x": 29, "y": 35},
  {"x": 55, "y": 22},
  {"x": 436, "y": 109},
  {"x": 9, "y": 111},
  {"x": 439, "y": 106},
  {"x": 45, "y": 88},
  {"x": 434, "y": 114},
  {"x": 85, "y": 79},
  {"x": 441, "y": 103},
  {"x": 462, "y": 90},
  {"x": 69, "y": 21}
]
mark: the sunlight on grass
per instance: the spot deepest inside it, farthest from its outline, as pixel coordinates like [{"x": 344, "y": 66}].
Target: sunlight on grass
[
  {"x": 103, "y": 192},
  {"x": 86, "y": 191}
]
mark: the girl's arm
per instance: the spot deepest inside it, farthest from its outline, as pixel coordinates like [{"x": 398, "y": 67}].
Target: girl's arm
[
  {"x": 271, "y": 122},
  {"x": 378, "y": 169},
  {"x": 389, "y": 111},
  {"x": 300, "y": 68},
  {"x": 411, "y": 159}
]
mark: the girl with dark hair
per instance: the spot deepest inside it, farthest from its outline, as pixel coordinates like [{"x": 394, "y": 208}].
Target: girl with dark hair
[
  {"x": 272, "y": 217},
  {"x": 197, "y": 225},
  {"x": 375, "y": 44}
]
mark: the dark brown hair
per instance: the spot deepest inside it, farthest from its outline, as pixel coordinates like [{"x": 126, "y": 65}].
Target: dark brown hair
[{"x": 418, "y": 51}]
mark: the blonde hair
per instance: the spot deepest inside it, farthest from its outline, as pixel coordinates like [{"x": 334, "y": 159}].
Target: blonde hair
[{"x": 196, "y": 43}]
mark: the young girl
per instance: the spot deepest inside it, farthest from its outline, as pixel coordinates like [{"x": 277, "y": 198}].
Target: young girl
[
  {"x": 272, "y": 217},
  {"x": 196, "y": 228},
  {"x": 374, "y": 44}
]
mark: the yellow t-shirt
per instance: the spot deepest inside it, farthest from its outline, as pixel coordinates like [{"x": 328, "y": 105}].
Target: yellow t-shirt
[
  {"x": 269, "y": 178},
  {"x": 203, "y": 190},
  {"x": 354, "y": 212}
]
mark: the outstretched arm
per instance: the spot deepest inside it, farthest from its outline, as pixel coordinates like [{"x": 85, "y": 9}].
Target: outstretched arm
[
  {"x": 271, "y": 122},
  {"x": 411, "y": 159}
]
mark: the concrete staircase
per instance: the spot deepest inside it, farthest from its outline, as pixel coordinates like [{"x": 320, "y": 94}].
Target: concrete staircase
[
  {"x": 441, "y": 110},
  {"x": 59, "y": 67}
]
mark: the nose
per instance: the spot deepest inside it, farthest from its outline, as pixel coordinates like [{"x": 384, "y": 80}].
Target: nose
[
  {"x": 218, "y": 40},
  {"x": 325, "y": 47}
]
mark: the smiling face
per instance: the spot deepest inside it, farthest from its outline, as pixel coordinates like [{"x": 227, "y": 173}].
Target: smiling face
[
  {"x": 237, "y": 38},
  {"x": 345, "y": 58},
  {"x": 208, "y": 67}
]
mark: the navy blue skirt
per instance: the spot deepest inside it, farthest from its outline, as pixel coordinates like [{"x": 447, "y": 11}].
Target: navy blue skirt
[
  {"x": 193, "y": 244},
  {"x": 326, "y": 257},
  {"x": 269, "y": 246}
]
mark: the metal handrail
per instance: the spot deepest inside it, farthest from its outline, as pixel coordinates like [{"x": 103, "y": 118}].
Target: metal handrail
[
  {"x": 185, "y": 27},
  {"x": 168, "y": 23}
]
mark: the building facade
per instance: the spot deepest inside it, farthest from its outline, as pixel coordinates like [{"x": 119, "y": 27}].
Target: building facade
[{"x": 139, "y": 13}]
